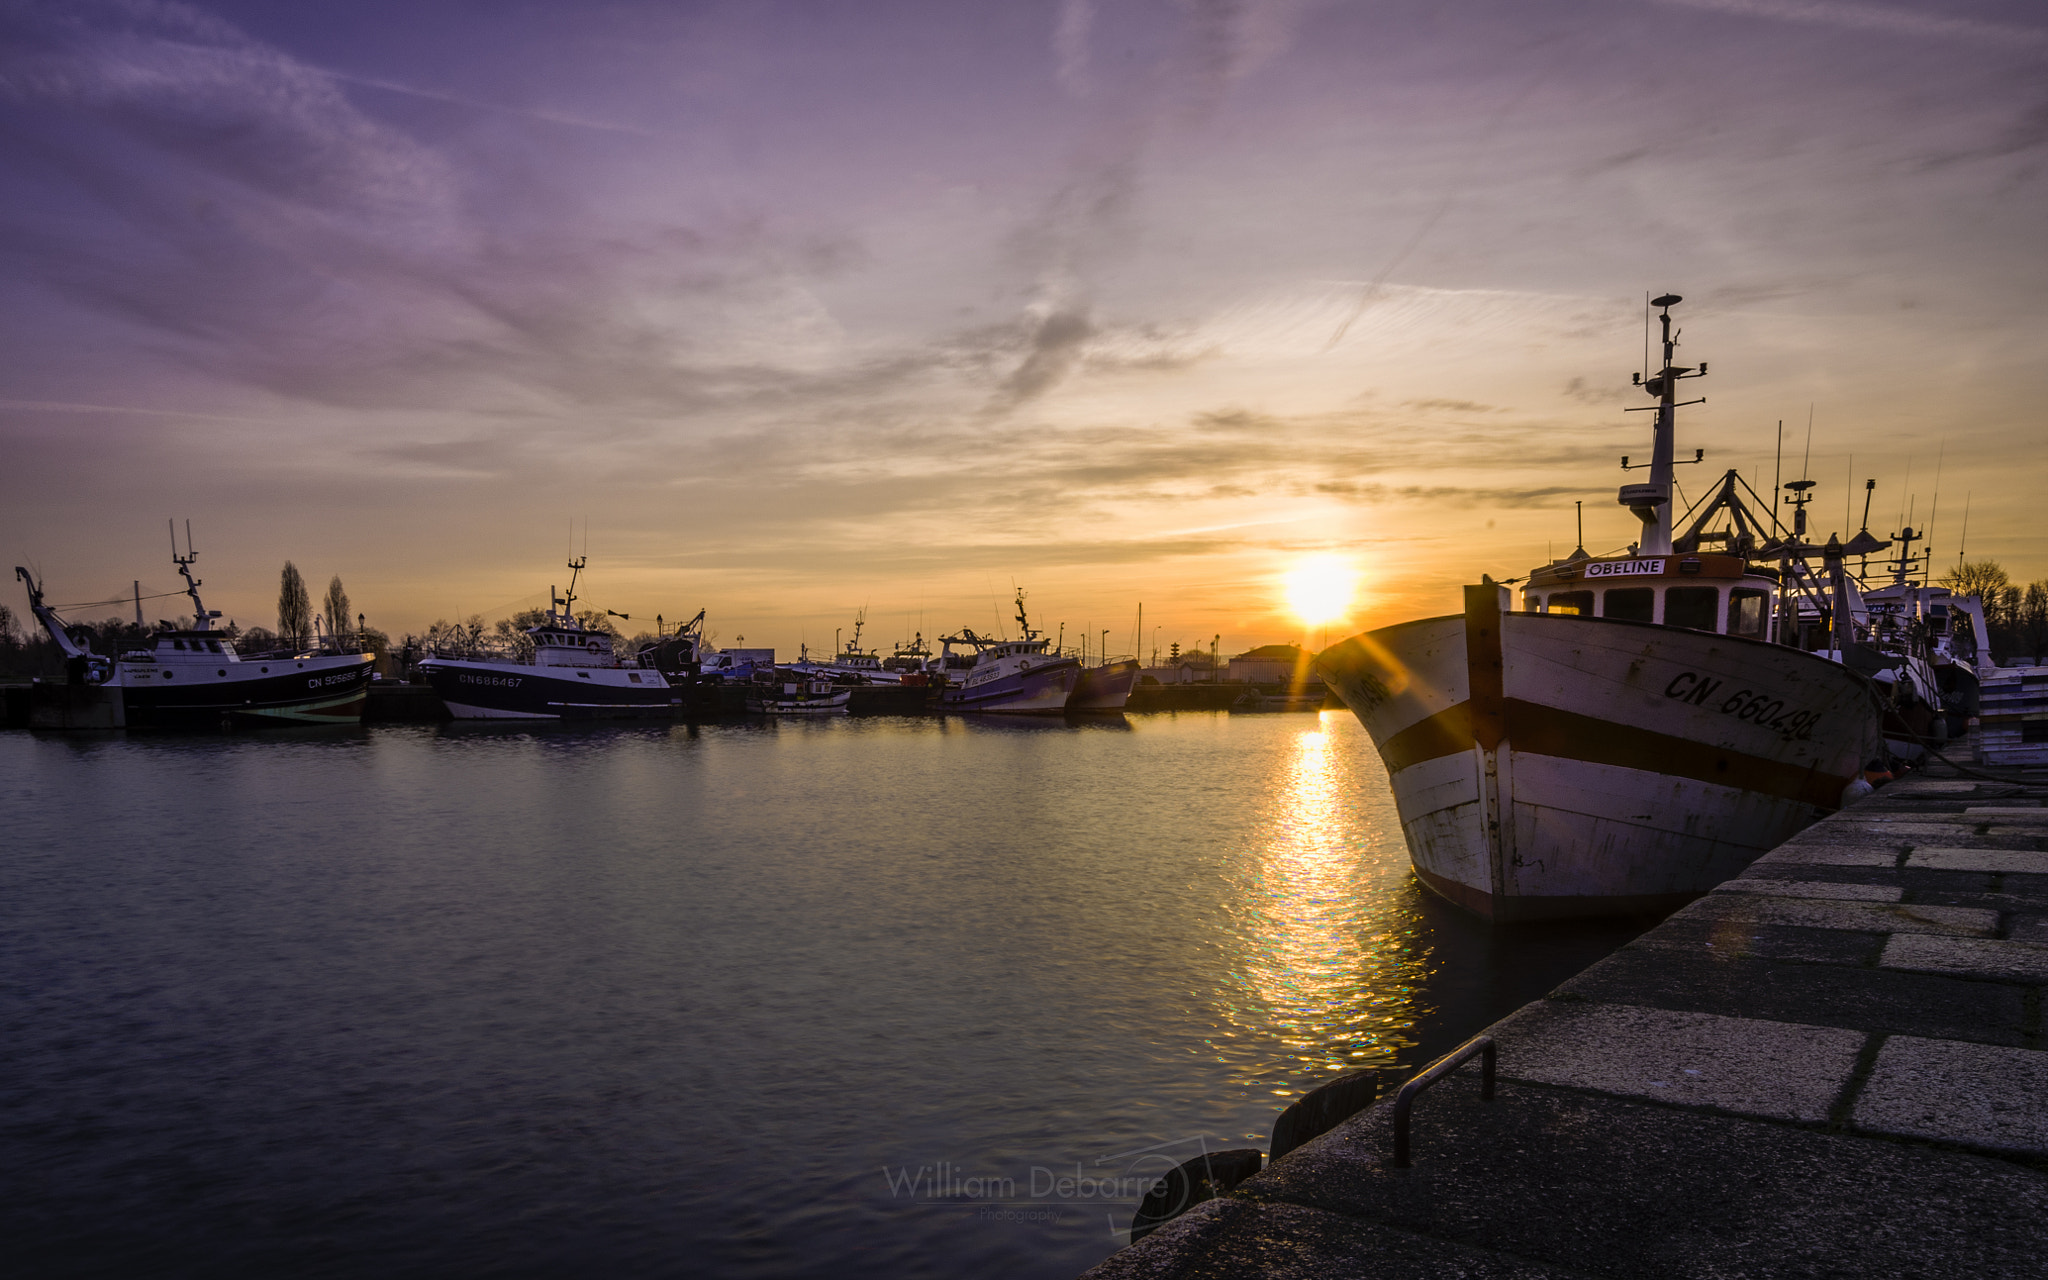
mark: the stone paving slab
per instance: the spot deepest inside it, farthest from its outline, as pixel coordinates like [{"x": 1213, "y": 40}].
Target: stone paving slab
[
  {"x": 1816, "y": 889},
  {"x": 1853, "y": 854},
  {"x": 1740, "y": 1065},
  {"x": 1970, "y": 957},
  {"x": 1976, "y": 1094},
  {"x": 1822, "y": 995},
  {"x": 2020, "y": 861},
  {"x": 1870, "y": 917},
  {"x": 1766, "y": 942},
  {"x": 1860, "y": 824}
]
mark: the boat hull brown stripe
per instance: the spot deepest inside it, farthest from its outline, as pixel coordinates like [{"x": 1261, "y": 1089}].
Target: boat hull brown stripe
[
  {"x": 1547, "y": 731},
  {"x": 1444, "y": 734}
]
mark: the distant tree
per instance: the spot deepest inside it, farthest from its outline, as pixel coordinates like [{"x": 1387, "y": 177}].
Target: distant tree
[
  {"x": 256, "y": 640},
  {"x": 335, "y": 606},
  {"x": 294, "y": 609},
  {"x": 9, "y": 629},
  {"x": 2033, "y": 621},
  {"x": 1980, "y": 578}
]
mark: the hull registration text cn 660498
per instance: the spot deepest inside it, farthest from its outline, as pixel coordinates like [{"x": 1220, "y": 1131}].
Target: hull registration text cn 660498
[{"x": 1756, "y": 706}]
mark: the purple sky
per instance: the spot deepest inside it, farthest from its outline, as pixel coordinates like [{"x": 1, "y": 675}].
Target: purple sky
[{"x": 809, "y": 306}]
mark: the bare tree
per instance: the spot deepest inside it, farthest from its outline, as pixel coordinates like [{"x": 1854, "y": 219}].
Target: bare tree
[
  {"x": 2033, "y": 620},
  {"x": 294, "y": 609},
  {"x": 1980, "y": 578},
  {"x": 336, "y": 607}
]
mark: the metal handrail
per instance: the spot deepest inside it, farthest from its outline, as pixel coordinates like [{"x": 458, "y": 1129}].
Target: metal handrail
[{"x": 1429, "y": 1075}]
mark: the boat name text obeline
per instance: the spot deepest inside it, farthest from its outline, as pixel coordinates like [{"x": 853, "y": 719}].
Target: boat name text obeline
[{"x": 1624, "y": 568}]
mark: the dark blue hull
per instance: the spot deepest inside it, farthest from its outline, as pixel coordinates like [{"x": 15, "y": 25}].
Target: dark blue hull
[
  {"x": 488, "y": 691},
  {"x": 245, "y": 694}
]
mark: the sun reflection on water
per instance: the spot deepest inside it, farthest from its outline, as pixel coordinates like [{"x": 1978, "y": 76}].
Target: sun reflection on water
[{"x": 1326, "y": 959}]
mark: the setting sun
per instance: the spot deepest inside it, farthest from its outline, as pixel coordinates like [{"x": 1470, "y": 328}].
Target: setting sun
[{"x": 1320, "y": 589}]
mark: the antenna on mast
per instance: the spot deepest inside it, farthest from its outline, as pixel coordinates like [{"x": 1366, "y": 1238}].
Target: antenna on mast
[{"x": 1934, "y": 507}]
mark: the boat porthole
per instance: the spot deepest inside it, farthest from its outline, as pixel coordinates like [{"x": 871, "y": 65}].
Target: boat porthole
[
  {"x": 265, "y": 670},
  {"x": 223, "y": 671},
  {"x": 167, "y": 675}
]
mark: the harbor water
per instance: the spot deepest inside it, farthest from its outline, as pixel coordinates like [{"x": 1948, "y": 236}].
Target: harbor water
[{"x": 925, "y": 997}]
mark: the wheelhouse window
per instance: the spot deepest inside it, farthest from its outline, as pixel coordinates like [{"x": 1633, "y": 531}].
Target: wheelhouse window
[
  {"x": 1693, "y": 608},
  {"x": 1747, "y": 611},
  {"x": 1580, "y": 602},
  {"x": 1630, "y": 604}
]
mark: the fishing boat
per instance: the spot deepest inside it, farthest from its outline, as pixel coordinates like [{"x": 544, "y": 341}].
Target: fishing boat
[
  {"x": 793, "y": 693},
  {"x": 913, "y": 663},
  {"x": 193, "y": 677},
  {"x": 1010, "y": 677},
  {"x": 1104, "y": 688},
  {"x": 1629, "y": 737},
  {"x": 574, "y": 673},
  {"x": 852, "y": 664}
]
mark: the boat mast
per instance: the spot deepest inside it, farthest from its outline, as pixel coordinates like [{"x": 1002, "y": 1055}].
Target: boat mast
[
  {"x": 567, "y": 601},
  {"x": 1651, "y": 503},
  {"x": 201, "y": 619}
]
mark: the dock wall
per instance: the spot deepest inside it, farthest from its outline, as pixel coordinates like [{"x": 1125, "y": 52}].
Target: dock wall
[{"x": 1832, "y": 1065}]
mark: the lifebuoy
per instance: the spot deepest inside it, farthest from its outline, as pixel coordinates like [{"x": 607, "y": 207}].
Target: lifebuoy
[{"x": 592, "y": 646}]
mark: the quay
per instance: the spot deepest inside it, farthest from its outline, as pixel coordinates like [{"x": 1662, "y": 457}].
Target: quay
[{"x": 1832, "y": 1065}]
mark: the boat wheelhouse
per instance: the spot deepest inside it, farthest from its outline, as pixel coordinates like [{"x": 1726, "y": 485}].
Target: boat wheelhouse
[{"x": 1722, "y": 594}]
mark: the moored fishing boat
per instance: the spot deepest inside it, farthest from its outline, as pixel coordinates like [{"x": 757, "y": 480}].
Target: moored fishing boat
[
  {"x": 1104, "y": 688},
  {"x": 574, "y": 674},
  {"x": 1009, "y": 677},
  {"x": 1627, "y": 740},
  {"x": 795, "y": 693},
  {"x": 194, "y": 678},
  {"x": 853, "y": 664}
]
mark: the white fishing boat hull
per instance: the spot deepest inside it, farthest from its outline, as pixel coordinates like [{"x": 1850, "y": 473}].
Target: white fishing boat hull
[{"x": 1551, "y": 766}]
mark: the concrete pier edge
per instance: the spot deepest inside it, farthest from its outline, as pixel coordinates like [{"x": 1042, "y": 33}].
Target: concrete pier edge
[{"x": 1833, "y": 1064}]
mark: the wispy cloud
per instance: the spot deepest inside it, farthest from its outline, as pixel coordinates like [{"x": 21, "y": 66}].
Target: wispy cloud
[{"x": 1887, "y": 19}]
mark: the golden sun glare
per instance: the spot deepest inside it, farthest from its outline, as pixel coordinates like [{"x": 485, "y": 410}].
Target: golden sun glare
[{"x": 1320, "y": 589}]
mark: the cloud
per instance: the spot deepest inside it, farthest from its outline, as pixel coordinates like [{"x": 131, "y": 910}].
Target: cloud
[
  {"x": 1452, "y": 406},
  {"x": 1886, "y": 19},
  {"x": 1053, "y": 347},
  {"x": 1454, "y": 495},
  {"x": 1070, "y": 45},
  {"x": 197, "y": 90}
]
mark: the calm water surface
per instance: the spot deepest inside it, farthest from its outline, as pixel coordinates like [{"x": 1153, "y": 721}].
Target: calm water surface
[{"x": 802, "y": 999}]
